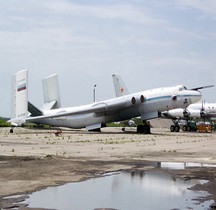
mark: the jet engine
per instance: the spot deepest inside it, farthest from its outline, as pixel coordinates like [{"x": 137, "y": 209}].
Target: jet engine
[
  {"x": 137, "y": 100},
  {"x": 173, "y": 97}
]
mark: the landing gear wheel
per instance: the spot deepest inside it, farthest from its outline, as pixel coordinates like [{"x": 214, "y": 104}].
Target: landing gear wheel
[
  {"x": 146, "y": 129},
  {"x": 185, "y": 128},
  {"x": 11, "y": 130},
  {"x": 177, "y": 128},
  {"x": 189, "y": 128},
  {"x": 143, "y": 129},
  {"x": 140, "y": 129},
  {"x": 172, "y": 128}
]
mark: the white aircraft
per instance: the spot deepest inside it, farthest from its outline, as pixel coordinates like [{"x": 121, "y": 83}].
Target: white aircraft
[
  {"x": 193, "y": 110},
  {"x": 205, "y": 111},
  {"x": 147, "y": 104}
]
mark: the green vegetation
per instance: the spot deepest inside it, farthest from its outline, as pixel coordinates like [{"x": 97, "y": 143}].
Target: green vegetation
[
  {"x": 33, "y": 125},
  {"x": 115, "y": 124},
  {"x": 4, "y": 123},
  {"x": 137, "y": 121}
]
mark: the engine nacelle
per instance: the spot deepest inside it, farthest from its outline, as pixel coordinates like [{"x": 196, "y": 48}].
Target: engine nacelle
[
  {"x": 137, "y": 100},
  {"x": 174, "y": 98}
]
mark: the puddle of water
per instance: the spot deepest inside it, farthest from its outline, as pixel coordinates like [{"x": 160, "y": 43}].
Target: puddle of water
[{"x": 147, "y": 190}]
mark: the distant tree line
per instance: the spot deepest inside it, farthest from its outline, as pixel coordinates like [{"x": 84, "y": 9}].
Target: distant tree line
[{"x": 4, "y": 123}]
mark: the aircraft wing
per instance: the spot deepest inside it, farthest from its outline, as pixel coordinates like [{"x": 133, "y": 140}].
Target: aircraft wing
[
  {"x": 209, "y": 115},
  {"x": 97, "y": 108},
  {"x": 202, "y": 87},
  {"x": 168, "y": 116}
]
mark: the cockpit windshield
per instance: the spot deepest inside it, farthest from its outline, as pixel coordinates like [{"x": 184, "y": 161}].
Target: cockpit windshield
[{"x": 182, "y": 88}]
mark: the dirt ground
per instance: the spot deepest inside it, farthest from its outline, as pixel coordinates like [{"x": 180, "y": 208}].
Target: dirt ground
[{"x": 34, "y": 159}]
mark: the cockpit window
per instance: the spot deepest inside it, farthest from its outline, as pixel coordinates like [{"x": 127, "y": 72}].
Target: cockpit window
[{"x": 182, "y": 88}]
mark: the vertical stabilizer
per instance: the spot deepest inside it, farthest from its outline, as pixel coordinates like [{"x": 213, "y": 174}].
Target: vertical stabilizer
[
  {"x": 120, "y": 88},
  {"x": 51, "y": 92},
  {"x": 19, "y": 99}
]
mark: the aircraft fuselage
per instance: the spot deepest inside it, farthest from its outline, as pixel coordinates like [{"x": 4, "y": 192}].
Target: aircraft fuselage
[{"x": 147, "y": 104}]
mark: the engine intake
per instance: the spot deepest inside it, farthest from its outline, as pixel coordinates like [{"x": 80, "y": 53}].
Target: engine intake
[
  {"x": 133, "y": 100},
  {"x": 142, "y": 99},
  {"x": 174, "y": 98}
]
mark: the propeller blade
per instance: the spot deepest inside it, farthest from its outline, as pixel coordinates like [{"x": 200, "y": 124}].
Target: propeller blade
[
  {"x": 198, "y": 88},
  {"x": 202, "y": 109}
]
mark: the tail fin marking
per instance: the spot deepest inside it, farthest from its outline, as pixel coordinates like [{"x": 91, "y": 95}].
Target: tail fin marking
[
  {"x": 120, "y": 87},
  {"x": 19, "y": 96}
]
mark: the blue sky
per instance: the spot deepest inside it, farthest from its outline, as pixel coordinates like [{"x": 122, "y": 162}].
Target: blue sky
[{"x": 150, "y": 43}]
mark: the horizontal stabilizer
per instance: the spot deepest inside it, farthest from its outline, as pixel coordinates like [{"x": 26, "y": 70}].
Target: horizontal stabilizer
[
  {"x": 34, "y": 110},
  {"x": 17, "y": 121}
]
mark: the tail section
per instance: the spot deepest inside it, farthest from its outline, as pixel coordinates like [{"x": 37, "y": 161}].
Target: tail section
[
  {"x": 51, "y": 92},
  {"x": 120, "y": 88},
  {"x": 19, "y": 99}
]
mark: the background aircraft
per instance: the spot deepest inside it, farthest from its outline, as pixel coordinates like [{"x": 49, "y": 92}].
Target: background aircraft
[
  {"x": 203, "y": 111},
  {"x": 147, "y": 104}
]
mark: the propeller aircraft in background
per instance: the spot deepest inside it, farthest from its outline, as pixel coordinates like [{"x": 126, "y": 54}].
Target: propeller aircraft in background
[{"x": 197, "y": 111}]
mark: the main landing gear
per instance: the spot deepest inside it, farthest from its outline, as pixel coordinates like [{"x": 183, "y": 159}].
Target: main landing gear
[
  {"x": 144, "y": 129},
  {"x": 186, "y": 125},
  {"x": 174, "y": 128}
]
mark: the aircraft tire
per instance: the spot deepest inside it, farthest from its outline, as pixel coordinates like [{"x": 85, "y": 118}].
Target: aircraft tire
[
  {"x": 177, "y": 128},
  {"x": 172, "y": 128},
  {"x": 185, "y": 128},
  {"x": 143, "y": 129},
  {"x": 189, "y": 128},
  {"x": 146, "y": 129},
  {"x": 11, "y": 130},
  {"x": 140, "y": 129}
]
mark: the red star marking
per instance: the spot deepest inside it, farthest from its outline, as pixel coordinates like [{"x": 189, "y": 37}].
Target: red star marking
[{"x": 122, "y": 90}]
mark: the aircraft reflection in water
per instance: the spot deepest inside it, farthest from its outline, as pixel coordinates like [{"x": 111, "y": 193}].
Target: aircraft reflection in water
[
  {"x": 148, "y": 104},
  {"x": 148, "y": 189}
]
